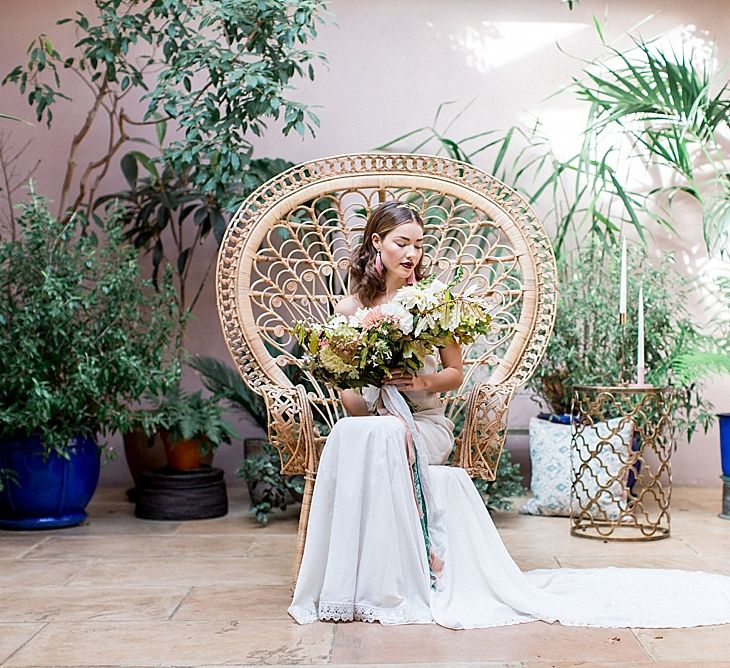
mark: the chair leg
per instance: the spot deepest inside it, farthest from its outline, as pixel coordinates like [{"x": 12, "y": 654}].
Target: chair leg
[{"x": 303, "y": 522}]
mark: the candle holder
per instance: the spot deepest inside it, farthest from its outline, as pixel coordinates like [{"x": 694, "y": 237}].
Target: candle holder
[{"x": 621, "y": 449}]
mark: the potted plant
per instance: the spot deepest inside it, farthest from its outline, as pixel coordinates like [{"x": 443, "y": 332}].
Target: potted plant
[
  {"x": 267, "y": 488},
  {"x": 714, "y": 358},
  {"x": 261, "y": 466},
  {"x": 243, "y": 58},
  {"x": 589, "y": 347},
  {"x": 190, "y": 426},
  {"x": 82, "y": 336}
]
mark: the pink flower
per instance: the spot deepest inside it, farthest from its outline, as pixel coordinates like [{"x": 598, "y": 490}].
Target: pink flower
[{"x": 373, "y": 318}]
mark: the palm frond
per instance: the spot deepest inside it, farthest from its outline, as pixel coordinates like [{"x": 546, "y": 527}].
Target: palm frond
[
  {"x": 224, "y": 381},
  {"x": 695, "y": 366}
]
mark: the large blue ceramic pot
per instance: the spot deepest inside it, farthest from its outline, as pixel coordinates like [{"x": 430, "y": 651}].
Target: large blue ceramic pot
[
  {"x": 47, "y": 492},
  {"x": 725, "y": 442}
]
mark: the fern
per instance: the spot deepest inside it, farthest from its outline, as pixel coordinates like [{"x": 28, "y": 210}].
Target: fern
[{"x": 694, "y": 366}]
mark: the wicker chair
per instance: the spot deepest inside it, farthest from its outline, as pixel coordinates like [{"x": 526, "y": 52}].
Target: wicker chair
[{"x": 285, "y": 257}]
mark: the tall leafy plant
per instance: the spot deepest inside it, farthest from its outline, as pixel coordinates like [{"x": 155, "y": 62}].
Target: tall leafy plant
[
  {"x": 82, "y": 335},
  {"x": 206, "y": 76},
  {"x": 670, "y": 106},
  {"x": 589, "y": 346},
  {"x": 651, "y": 111}
]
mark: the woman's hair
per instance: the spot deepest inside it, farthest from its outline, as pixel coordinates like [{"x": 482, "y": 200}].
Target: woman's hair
[{"x": 366, "y": 282}]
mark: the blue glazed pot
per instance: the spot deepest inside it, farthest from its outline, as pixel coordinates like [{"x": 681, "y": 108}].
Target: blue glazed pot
[
  {"x": 47, "y": 492},
  {"x": 725, "y": 442}
]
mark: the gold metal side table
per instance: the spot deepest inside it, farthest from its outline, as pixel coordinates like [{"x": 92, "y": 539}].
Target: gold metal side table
[{"x": 620, "y": 457}]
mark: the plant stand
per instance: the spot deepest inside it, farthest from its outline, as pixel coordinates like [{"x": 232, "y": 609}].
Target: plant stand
[
  {"x": 725, "y": 514},
  {"x": 620, "y": 459},
  {"x": 166, "y": 494}
]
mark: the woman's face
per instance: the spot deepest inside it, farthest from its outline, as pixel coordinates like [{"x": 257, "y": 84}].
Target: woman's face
[{"x": 401, "y": 249}]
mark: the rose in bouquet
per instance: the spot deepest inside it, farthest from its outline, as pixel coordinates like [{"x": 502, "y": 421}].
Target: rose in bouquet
[{"x": 360, "y": 350}]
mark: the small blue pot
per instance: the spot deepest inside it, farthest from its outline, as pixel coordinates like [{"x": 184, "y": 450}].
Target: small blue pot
[
  {"x": 725, "y": 442},
  {"x": 47, "y": 492}
]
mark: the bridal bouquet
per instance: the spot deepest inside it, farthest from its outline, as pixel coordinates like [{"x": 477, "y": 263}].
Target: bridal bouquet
[{"x": 359, "y": 350}]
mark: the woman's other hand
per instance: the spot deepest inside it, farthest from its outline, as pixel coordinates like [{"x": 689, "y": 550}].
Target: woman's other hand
[{"x": 406, "y": 381}]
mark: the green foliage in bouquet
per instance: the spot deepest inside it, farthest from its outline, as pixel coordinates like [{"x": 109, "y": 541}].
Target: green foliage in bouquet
[
  {"x": 360, "y": 350},
  {"x": 585, "y": 347},
  {"x": 81, "y": 334}
]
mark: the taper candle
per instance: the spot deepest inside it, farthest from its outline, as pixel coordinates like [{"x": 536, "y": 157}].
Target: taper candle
[
  {"x": 623, "y": 280},
  {"x": 640, "y": 342}
]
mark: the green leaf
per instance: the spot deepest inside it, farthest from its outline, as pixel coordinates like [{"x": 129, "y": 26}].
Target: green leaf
[
  {"x": 147, "y": 163},
  {"x": 129, "y": 169},
  {"x": 182, "y": 261}
]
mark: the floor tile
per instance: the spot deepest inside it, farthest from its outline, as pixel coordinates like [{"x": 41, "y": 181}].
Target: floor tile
[
  {"x": 213, "y": 592},
  {"x": 618, "y": 664},
  {"x": 176, "y": 643},
  {"x": 685, "y": 563},
  {"x": 285, "y": 522},
  {"x": 362, "y": 643},
  {"x": 62, "y": 604},
  {"x": 131, "y": 546},
  {"x": 12, "y": 637},
  {"x": 121, "y": 524},
  {"x": 14, "y": 546},
  {"x": 267, "y": 545},
  {"x": 17, "y": 573},
  {"x": 189, "y": 572},
  {"x": 704, "y": 643},
  {"x": 235, "y": 602}
]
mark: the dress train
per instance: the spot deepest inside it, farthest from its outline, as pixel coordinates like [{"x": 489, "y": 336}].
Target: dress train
[{"x": 365, "y": 556}]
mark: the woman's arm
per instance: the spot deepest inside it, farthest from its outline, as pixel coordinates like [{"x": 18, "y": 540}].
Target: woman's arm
[
  {"x": 449, "y": 378},
  {"x": 352, "y": 401}
]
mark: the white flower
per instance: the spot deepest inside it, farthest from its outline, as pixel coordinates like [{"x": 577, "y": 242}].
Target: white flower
[
  {"x": 408, "y": 296},
  {"x": 338, "y": 321},
  {"x": 420, "y": 298},
  {"x": 436, "y": 287},
  {"x": 356, "y": 319},
  {"x": 404, "y": 317},
  {"x": 426, "y": 322}
]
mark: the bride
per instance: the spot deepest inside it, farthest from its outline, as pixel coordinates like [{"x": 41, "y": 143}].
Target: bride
[{"x": 397, "y": 537}]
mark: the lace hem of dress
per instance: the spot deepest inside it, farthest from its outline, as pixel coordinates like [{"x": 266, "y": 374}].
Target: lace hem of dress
[{"x": 347, "y": 612}]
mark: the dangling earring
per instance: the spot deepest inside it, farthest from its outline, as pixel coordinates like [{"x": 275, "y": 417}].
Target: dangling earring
[
  {"x": 412, "y": 278},
  {"x": 378, "y": 264}
]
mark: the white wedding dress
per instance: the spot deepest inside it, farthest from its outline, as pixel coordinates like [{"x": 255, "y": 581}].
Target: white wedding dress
[{"x": 366, "y": 554}]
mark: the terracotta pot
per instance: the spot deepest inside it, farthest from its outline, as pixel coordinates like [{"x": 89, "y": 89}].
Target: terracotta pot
[{"x": 184, "y": 454}]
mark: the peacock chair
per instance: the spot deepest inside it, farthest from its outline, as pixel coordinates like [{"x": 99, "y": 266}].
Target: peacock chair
[{"x": 285, "y": 257}]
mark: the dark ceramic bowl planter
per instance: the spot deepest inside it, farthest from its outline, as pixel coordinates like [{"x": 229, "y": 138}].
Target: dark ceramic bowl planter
[{"x": 47, "y": 492}]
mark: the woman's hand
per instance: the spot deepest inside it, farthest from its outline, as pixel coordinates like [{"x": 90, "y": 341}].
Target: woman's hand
[{"x": 406, "y": 381}]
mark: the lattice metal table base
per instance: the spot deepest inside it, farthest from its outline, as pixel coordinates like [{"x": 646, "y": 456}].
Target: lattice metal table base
[{"x": 620, "y": 460}]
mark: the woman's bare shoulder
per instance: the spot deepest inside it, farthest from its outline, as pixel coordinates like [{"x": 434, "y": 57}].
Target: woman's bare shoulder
[{"x": 348, "y": 305}]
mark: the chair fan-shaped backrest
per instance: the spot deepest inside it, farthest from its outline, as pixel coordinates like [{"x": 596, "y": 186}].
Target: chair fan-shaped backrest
[{"x": 285, "y": 257}]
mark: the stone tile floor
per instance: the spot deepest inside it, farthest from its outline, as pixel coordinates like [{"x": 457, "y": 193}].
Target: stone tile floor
[{"x": 119, "y": 591}]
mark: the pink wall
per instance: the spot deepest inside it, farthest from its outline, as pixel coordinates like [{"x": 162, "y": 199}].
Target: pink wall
[{"x": 391, "y": 65}]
